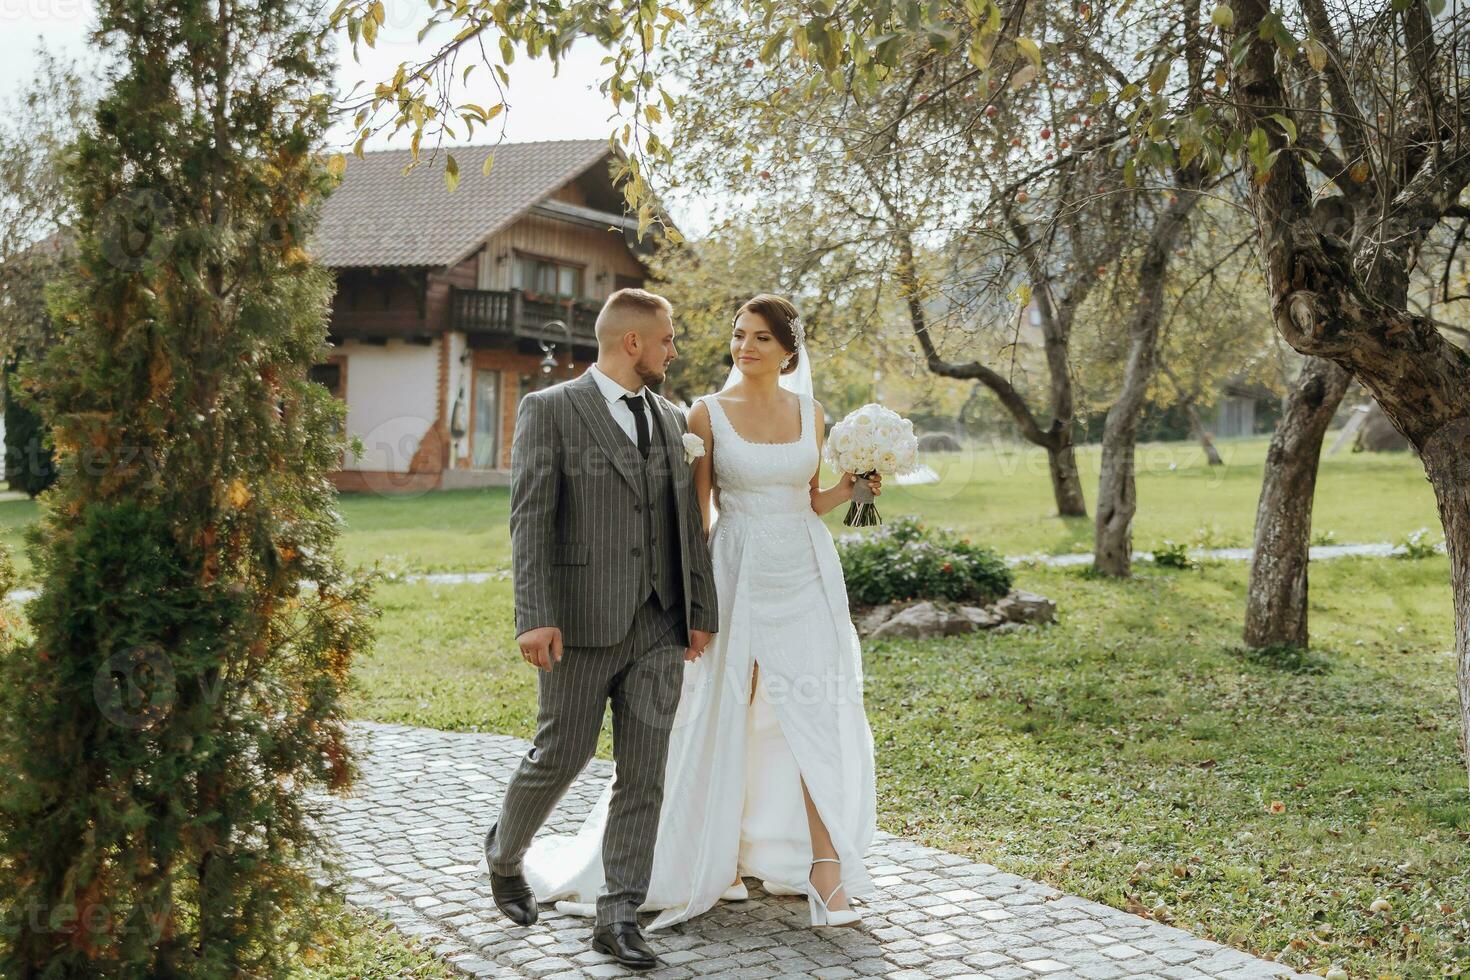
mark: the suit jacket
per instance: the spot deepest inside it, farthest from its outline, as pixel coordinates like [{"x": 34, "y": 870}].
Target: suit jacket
[{"x": 576, "y": 516}]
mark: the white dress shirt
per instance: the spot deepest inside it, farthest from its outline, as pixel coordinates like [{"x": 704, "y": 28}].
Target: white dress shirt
[{"x": 621, "y": 413}]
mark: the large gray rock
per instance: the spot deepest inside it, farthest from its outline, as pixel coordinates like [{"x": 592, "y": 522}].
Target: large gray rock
[
  {"x": 983, "y": 617},
  {"x": 874, "y": 618},
  {"x": 917, "y": 620},
  {"x": 1378, "y": 435},
  {"x": 939, "y": 442},
  {"x": 1020, "y": 606},
  {"x": 924, "y": 619}
]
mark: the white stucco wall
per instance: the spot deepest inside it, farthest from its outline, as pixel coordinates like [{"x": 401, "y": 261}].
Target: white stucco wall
[{"x": 391, "y": 401}]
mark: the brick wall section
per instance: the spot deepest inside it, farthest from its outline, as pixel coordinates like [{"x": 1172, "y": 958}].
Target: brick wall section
[{"x": 511, "y": 366}]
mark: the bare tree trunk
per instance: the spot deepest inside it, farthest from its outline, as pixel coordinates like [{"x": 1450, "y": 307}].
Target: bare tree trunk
[
  {"x": 1061, "y": 454},
  {"x": 1117, "y": 499},
  {"x": 1276, "y": 601},
  {"x": 1446, "y": 457},
  {"x": 1212, "y": 455},
  {"x": 1066, "y": 483}
]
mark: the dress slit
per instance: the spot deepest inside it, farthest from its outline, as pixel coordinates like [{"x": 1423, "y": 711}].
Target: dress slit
[{"x": 773, "y": 830}]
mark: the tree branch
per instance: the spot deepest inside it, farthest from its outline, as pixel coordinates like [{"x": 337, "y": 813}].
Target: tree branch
[{"x": 1352, "y": 130}]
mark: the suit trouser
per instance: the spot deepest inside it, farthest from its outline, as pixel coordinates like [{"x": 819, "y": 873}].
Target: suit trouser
[{"x": 643, "y": 677}]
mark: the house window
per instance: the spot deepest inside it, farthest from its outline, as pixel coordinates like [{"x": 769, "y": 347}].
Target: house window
[
  {"x": 329, "y": 376},
  {"x": 548, "y": 276},
  {"x": 485, "y": 440},
  {"x": 332, "y": 375}
]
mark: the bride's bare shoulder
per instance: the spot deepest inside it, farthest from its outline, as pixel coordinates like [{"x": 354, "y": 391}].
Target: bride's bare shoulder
[{"x": 699, "y": 417}]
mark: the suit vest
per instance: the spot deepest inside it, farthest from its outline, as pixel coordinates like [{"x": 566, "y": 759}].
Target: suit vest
[{"x": 660, "y": 562}]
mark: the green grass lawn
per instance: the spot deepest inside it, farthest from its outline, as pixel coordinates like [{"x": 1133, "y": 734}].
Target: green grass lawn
[
  {"x": 1128, "y": 754},
  {"x": 1001, "y": 495}
]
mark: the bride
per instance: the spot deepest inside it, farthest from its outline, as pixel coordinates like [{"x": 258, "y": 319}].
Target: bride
[{"x": 770, "y": 767}]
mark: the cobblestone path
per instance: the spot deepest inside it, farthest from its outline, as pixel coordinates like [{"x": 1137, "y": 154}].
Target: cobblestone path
[{"x": 410, "y": 845}]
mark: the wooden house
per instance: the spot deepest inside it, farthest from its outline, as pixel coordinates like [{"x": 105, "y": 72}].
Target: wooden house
[{"x": 451, "y": 306}]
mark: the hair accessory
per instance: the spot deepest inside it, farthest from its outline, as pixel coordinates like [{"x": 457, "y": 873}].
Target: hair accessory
[{"x": 799, "y": 331}]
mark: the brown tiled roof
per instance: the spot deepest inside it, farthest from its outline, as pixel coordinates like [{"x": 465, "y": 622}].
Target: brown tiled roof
[{"x": 380, "y": 216}]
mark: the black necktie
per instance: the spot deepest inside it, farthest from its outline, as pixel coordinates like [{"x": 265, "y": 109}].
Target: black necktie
[{"x": 636, "y": 403}]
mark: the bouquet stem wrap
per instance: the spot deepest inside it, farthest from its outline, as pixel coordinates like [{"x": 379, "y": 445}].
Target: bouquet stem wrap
[
  {"x": 862, "y": 512},
  {"x": 870, "y": 441}
]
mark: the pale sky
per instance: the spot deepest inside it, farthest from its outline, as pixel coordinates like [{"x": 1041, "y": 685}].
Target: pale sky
[{"x": 542, "y": 107}]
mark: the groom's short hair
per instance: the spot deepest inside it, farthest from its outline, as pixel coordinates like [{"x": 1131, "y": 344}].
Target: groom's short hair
[{"x": 628, "y": 307}]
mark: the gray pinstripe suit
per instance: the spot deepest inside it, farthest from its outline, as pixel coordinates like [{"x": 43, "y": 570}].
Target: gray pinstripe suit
[{"x": 587, "y": 517}]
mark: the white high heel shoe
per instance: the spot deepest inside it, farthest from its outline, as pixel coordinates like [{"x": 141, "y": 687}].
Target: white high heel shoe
[
  {"x": 736, "y": 893},
  {"x": 821, "y": 914}
]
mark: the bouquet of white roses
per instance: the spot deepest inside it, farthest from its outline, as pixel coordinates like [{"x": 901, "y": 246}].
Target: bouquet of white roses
[{"x": 872, "y": 439}]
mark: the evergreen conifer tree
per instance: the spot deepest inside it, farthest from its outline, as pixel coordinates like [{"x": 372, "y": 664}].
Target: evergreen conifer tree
[{"x": 183, "y": 690}]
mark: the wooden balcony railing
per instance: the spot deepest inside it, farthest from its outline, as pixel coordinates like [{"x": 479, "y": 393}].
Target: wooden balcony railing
[{"x": 513, "y": 313}]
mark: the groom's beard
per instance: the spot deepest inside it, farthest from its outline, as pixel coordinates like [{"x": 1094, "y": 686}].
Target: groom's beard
[{"x": 652, "y": 375}]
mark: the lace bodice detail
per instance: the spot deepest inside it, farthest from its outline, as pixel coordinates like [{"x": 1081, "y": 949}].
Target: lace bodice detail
[{"x": 762, "y": 479}]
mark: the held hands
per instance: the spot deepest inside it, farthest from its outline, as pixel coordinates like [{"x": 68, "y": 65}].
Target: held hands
[
  {"x": 698, "y": 640},
  {"x": 541, "y": 647},
  {"x": 875, "y": 483}
]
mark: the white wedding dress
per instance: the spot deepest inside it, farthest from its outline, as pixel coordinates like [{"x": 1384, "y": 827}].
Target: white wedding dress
[{"x": 732, "y": 790}]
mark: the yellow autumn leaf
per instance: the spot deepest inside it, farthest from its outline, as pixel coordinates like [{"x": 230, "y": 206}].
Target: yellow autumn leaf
[
  {"x": 1316, "y": 53},
  {"x": 1029, "y": 48},
  {"x": 238, "y": 493}
]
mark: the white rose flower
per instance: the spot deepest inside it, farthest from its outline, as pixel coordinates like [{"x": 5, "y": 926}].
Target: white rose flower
[{"x": 693, "y": 447}]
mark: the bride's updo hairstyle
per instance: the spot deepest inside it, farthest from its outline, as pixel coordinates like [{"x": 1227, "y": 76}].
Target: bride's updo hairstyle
[{"x": 779, "y": 315}]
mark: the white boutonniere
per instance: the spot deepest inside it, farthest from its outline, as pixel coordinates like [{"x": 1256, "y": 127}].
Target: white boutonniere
[{"x": 693, "y": 447}]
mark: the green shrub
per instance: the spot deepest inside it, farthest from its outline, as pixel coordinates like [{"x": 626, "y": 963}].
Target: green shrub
[
  {"x": 1417, "y": 546},
  {"x": 1173, "y": 554},
  {"x": 904, "y": 559}
]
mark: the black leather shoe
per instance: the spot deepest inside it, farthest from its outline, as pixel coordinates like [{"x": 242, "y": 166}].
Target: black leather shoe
[
  {"x": 512, "y": 893},
  {"x": 624, "y": 942}
]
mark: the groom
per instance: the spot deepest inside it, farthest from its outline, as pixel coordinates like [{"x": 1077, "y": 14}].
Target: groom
[{"x": 613, "y": 592}]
